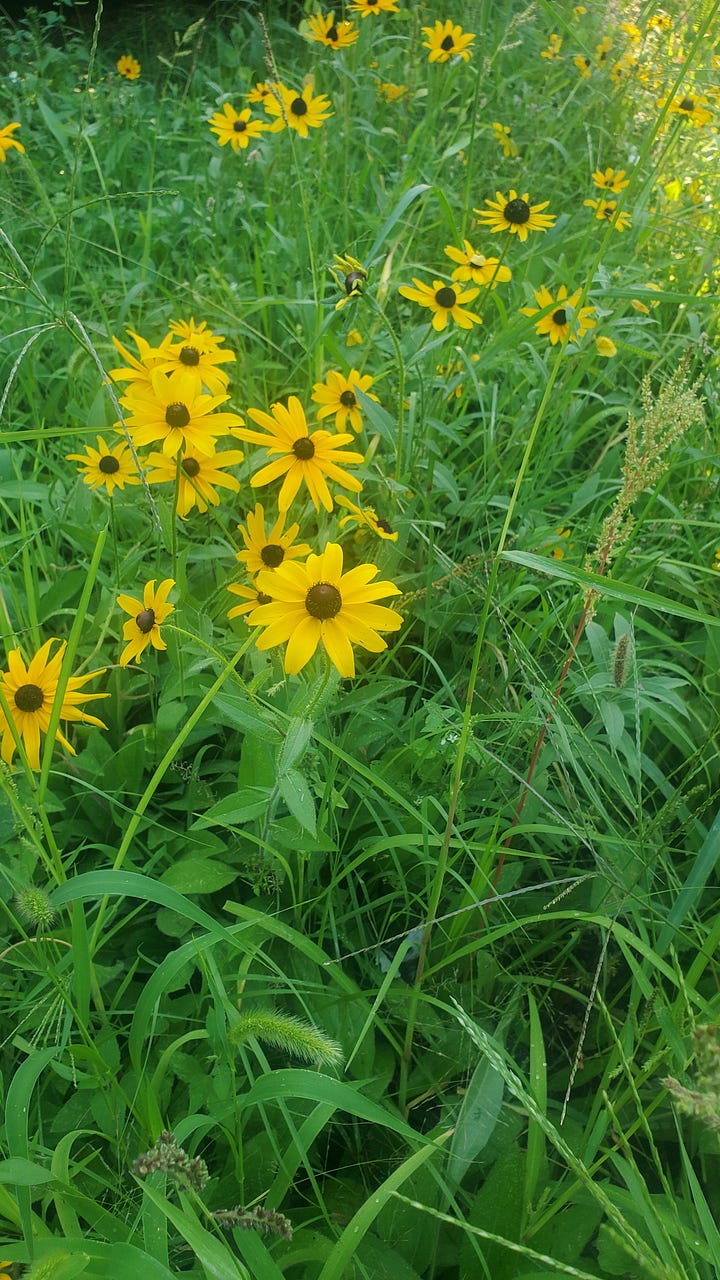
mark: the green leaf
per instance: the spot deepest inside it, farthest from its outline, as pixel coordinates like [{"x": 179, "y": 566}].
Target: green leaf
[
  {"x": 198, "y": 875},
  {"x": 24, "y": 1173},
  {"x": 297, "y": 795},
  {"x": 242, "y": 806},
  {"x": 477, "y": 1119}
]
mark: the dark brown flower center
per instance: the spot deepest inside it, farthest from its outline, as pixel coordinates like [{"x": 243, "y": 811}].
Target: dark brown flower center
[
  {"x": 29, "y": 697},
  {"x": 263, "y": 599},
  {"x": 323, "y": 601},
  {"x": 145, "y": 620},
  {"x": 447, "y": 44},
  {"x": 560, "y": 316},
  {"x": 239, "y": 126},
  {"x": 517, "y": 211},
  {"x": 354, "y": 281},
  {"x": 687, "y": 104},
  {"x": 190, "y": 356},
  {"x": 177, "y": 415},
  {"x": 108, "y": 464},
  {"x": 332, "y": 33},
  {"x": 304, "y": 449},
  {"x": 446, "y": 297},
  {"x": 272, "y": 555},
  {"x": 385, "y": 525},
  {"x": 190, "y": 466},
  {"x": 299, "y": 107},
  {"x": 348, "y": 399},
  {"x": 609, "y": 210}
]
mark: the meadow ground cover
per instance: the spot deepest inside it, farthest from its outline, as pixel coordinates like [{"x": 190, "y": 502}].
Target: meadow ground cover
[{"x": 358, "y": 693}]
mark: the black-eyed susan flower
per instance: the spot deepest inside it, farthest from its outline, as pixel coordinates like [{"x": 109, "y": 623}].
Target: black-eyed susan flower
[
  {"x": 611, "y": 180},
  {"x": 196, "y": 335},
  {"x": 560, "y": 547},
  {"x": 658, "y": 22},
  {"x": 335, "y": 35},
  {"x": 553, "y": 50},
  {"x": 304, "y": 458},
  {"x": 561, "y": 317},
  {"x": 350, "y": 276},
  {"x": 104, "y": 467},
  {"x": 504, "y": 139},
  {"x": 583, "y": 65},
  {"x": 146, "y": 617},
  {"x": 173, "y": 410},
  {"x": 514, "y": 213},
  {"x": 607, "y": 211},
  {"x": 474, "y": 266},
  {"x": 316, "y": 603},
  {"x": 236, "y": 127},
  {"x": 199, "y": 359},
  {"x": 338, "y": 395},
  {"x": 198, "y": 476},
  {"x": 633, "y": 32},
  {"x": 365, "y": 520},
  {"x": 605, "y": 347},
  {"x": 128, "y": 67},
  {"x": 447, "y": 40},
  {"x": 366, "y": 7},
  {"x": 138, "y": 368},
  {"x": 693, "y": 107},
  {"x": 250, "y": 599},
  {"x": 390, "y": 92},
  {"x": 7, "y": 142},
  {"x": 30, "y": 694},
  {"x": 268, "y": 549},
  {"x": 5, "y": 1273},
  {"x": 262, "y": 90},
  {"x": 602, "y": 50},
  {"x": 444, "y": 301},
  {"x": 300, "y": 111}
]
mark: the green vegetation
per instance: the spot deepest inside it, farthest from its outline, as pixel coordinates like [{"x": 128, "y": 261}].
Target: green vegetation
[{"x": 360, "y": 849}]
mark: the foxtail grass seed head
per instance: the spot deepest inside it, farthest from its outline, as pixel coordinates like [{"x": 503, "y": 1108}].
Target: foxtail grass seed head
[
  {"x": 35, "y": 909},
  {"x": 621, "y": 660},
  {"x": 296, "y": 1038}
]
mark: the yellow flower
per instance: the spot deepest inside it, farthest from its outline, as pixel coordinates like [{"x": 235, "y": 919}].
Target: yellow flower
[
  {"x": 391, "y": 92},
  {"x": 337, "y": 394},
  {"x": 199, "y": 360},
  {"x": 316, "y": 603},
  {"x": 196, "y": 475},
  {"x": 447, "y": 40},
  {"x": 196, "y": 335},
  {"x": 476, "y": 267},
  {"x": 128, "y": 67},
  {"x": 553, "y": 49},
  {"x": 172, "y": 409},
  {"x": 138, "y": 368},
  {"x": 607, "y": 210},
  {"x": 565, "y": 320},
  {"x": 350, "y": 275},
  {"x": 514, "y": 213},
  {"x": 269, "y": 550},
  {"x": 365, "y": 518},
  {"x": 633, "y": 33},
  {"x": 250, "y": 597},
  {"x": 605, "y": 347},
  {"x": 583, "y": 65},
  {"x": 304, "y": 458},
  {"x": 602, "y": 49},
  {"x": 692, "y": 107},
  {"x": 444, "y": 302},
  {"x": 146, "y": 616},
  {"x": 611, "y": 180},
  {"x": 237, "y": 128},
  {"x": 558, "y": 551},
  {"x": 7, "y": 142},
  {"x": 354, "y": 338},
  {"x": 30, "y": 695},
  {"x": 113, "y": 468},
  {"x": 336, "y": 35},
  {"x": 299, "y": 111},
  {"x": 366, "y": 7},
  {"x": 502, "y": 136},
  {"x": 261, "y": 92}
]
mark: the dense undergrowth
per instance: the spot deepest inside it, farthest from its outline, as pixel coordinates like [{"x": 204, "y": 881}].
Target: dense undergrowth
[{"x": 375, "y": 936}]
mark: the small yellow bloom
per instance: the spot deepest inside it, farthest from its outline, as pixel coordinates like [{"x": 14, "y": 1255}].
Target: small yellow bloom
[
  {"x": 605, "y": 347},
  {"x": 146, "y": 616},
  {"x": 447, "y": 40},
  {"x": 607, "y": 211},
  {"x": 583, "y": 65},
  {"x": 7, "y": 142},
  {"x": 390, "y": 92},
  {"x": 611, "y": 180},
  {"x": 553, "y": 49},
  {"x": 366, "y": 519},
  {"x": 444, "y": 302},
  {"x": 335, "y": 35},
  {"x": 128, "y": 67},
  {"x": 30, "y": 694},
  {"x": 354, "y": 338},
  {"x": 501, "y": 133},
  {"x": 236, "y": 128}
]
